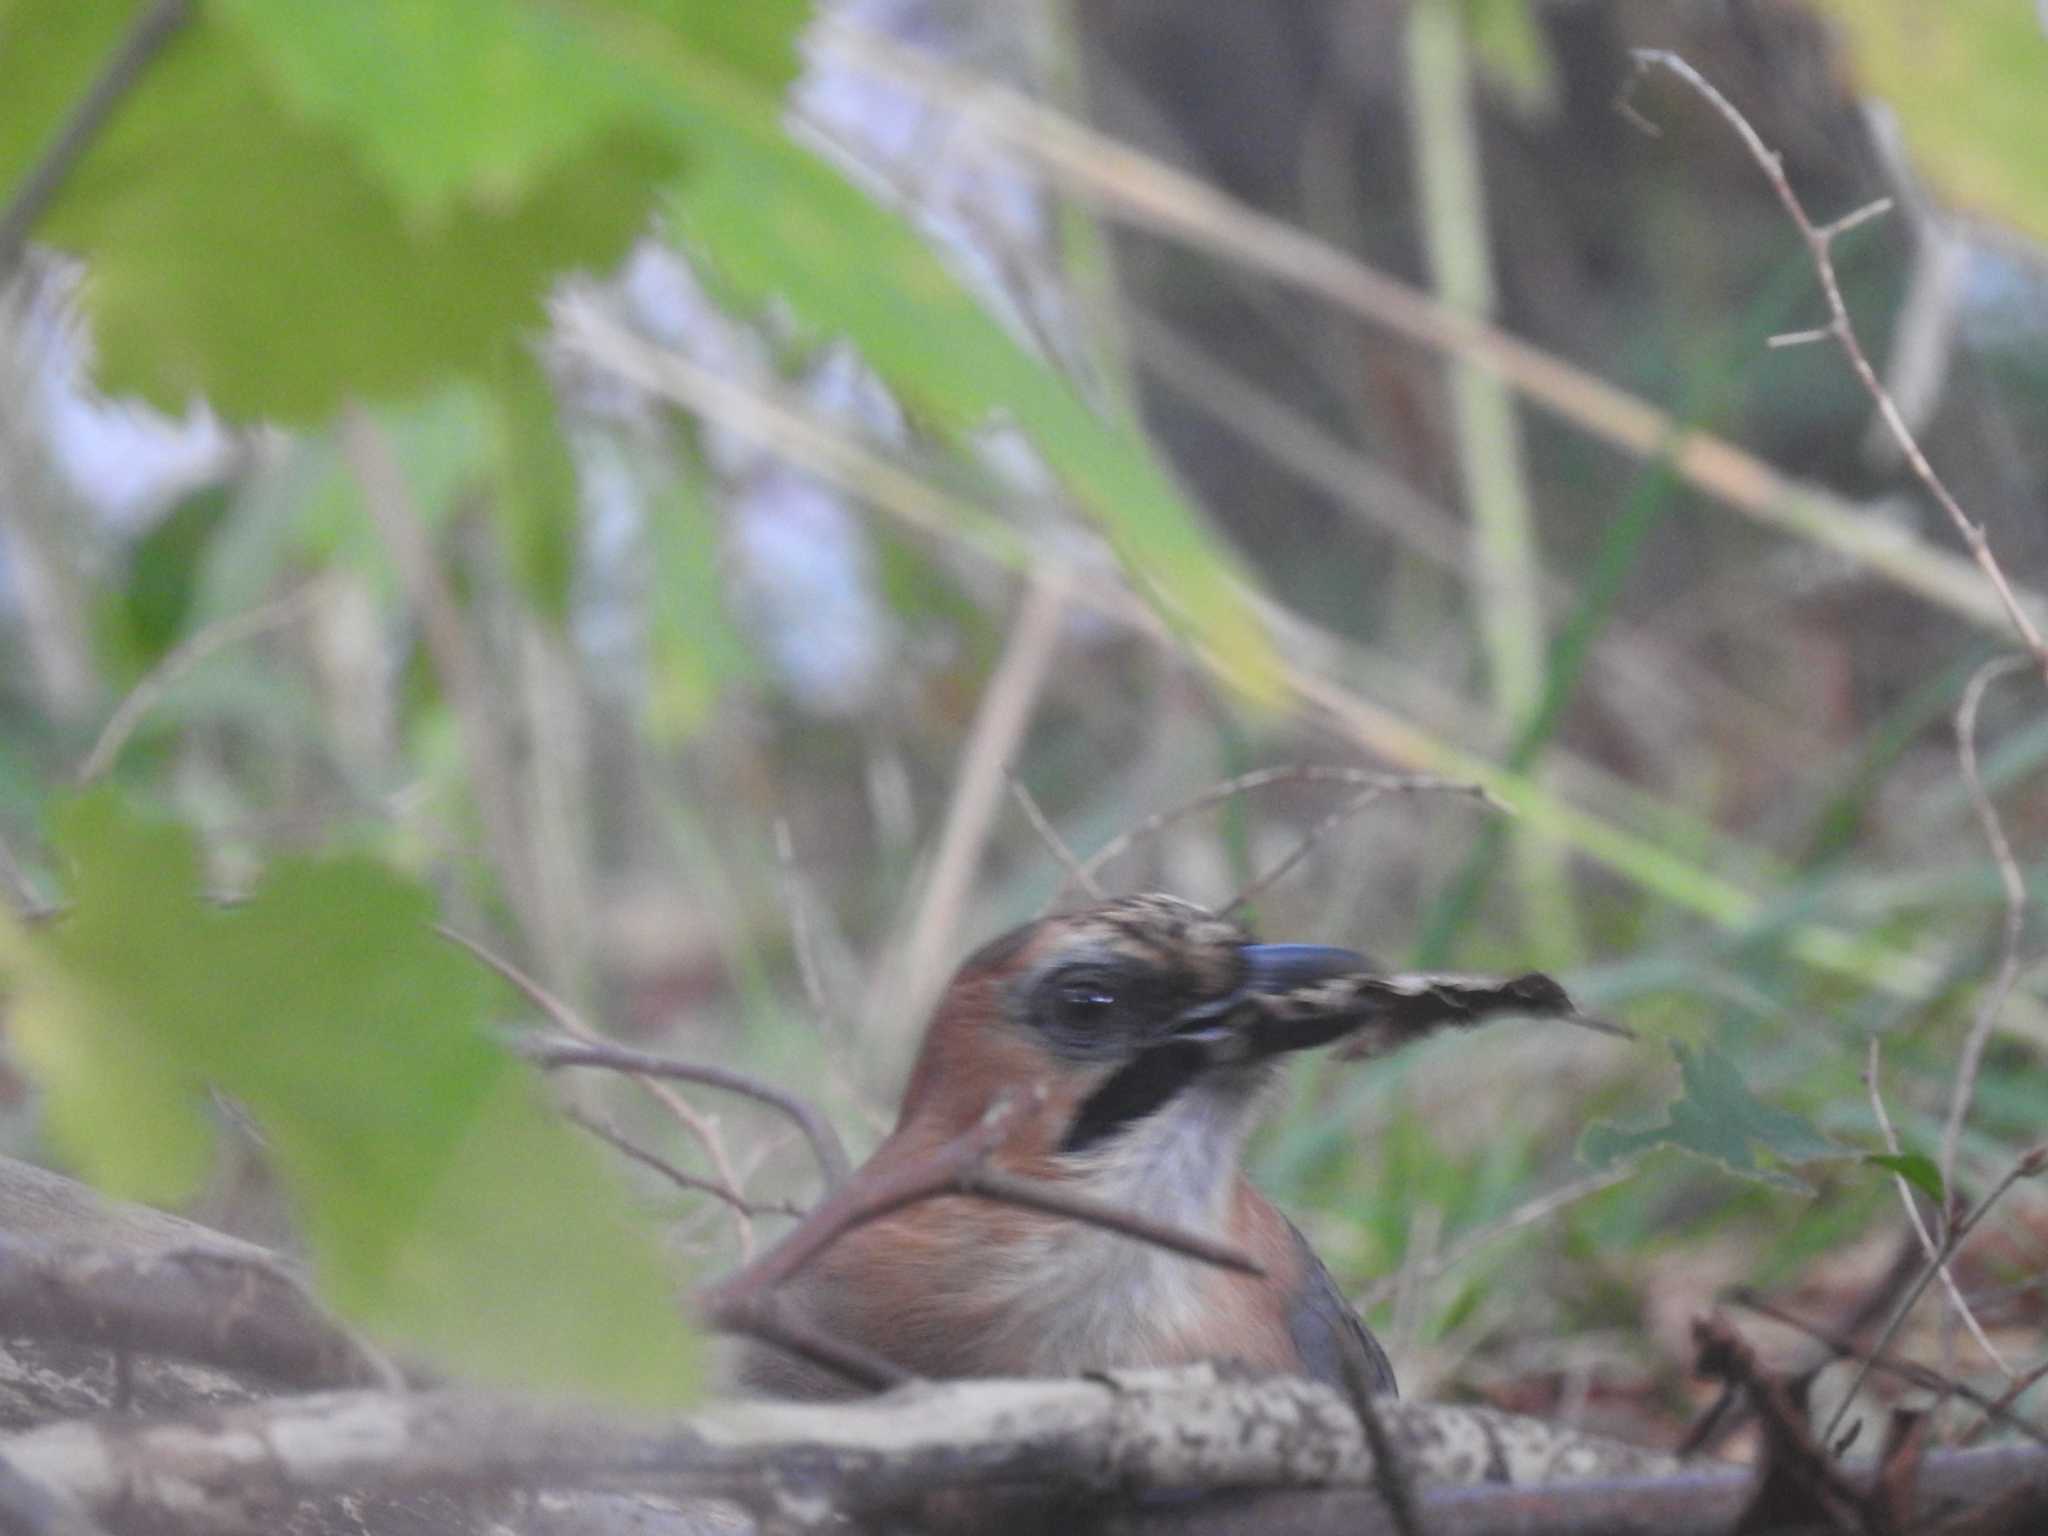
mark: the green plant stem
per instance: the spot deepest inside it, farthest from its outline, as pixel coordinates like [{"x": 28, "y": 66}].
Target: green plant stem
[{"x": 1505, "y": 583}]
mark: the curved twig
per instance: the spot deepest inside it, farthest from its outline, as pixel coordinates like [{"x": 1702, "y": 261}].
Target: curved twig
[
  {"x": 1820, "y": 239},
  {"x": 1263, "y": 778},
  {"x": 555, "y": 1054}
]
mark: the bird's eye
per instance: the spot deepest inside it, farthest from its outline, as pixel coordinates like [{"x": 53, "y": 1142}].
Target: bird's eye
[
  {"x": 1082, "y": 1010},
  {"x": 1083, "y": 1005}
]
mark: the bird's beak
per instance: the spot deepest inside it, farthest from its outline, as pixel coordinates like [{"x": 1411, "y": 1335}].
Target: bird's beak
[{"x": 1294, "y": 997}]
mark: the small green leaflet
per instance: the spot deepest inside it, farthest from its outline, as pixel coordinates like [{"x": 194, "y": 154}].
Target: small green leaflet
[
  {"x": 444, "y": 1206},
  {"x": 1916, "y": 1168},
  {"x": 1719, "y": 1119}
]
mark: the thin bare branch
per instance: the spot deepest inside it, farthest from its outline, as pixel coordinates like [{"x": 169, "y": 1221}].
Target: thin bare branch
[
  {"x": 1923, "y": 1377},
  {"x": 2027, "y": 1165},
  {"x": 955, "y": 1169},
  {"x": 1819, "y": 241},
  {"x": 2000, "y": 1412},
  {"x": 1872, "y": 1081},
  {"x": 1050, "y": 836},
  {"x": 209, "y": 641},
  {"x": 566, "y": 1019},
  {"x": 145, "y": 38},
  {"x": 1036, "y": 1195},
  {"x": 1805, "y": 338},
  {"x": 1262, "y": 778},
  {"x": 1145, "y": 193},
  {"x": 762, "y": 1315},
  {"x": 626, "y": 1147},
  {"x": 808, "y": 1118},
  {"x": 2015, "y": 888},
  {"x": 1309, "y": 841}
]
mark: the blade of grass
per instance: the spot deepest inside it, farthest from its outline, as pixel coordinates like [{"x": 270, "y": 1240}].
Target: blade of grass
[
  {"x": 1506, "y": 563},
  {"x": 1650, "y": 495}
]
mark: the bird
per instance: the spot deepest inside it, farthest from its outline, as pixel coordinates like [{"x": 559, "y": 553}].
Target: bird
[{"x": 1132, "y": 1043}]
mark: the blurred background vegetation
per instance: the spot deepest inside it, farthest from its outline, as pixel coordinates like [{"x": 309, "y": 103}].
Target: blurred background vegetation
[{"x": 657, "y": 487}]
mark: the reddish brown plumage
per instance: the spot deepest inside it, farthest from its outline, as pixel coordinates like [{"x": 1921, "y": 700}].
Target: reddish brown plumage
[{"x": 957, "y": 1286}]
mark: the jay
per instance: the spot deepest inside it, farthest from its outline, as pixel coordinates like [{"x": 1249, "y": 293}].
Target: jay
[{"x": 1135, "y": 1039}]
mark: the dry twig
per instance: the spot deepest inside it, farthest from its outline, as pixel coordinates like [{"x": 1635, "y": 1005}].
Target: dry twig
[
  {"x": 1820, "y": 239},
  {"x": 1144, "y": 193},
  {"x": 626, "y": 1147},
  {"x": 1049, "y": 835},
  {"x": 1797, "y": 1468},
  {"x": 1367, "y": 781},
  {"x": 2027, "y": 1165},
  {"x": 1927, "y": 1243},
  {"x": 566, "y": 1019},
  {"x": 1924, "y": 1377},
  {"x": 214, "y": 638},
  {"x": 957, "y": 1168},
  {"x": 587, "y": 1051},
  {"x": 1307, "y": 844},
  {"x": 2015, "y": 889}
]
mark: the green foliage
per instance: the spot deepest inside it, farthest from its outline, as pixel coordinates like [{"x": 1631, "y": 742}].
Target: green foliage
[
  {"x": 455, "y": 103},
  {"x": 442, "y": 1203},
  {"x": 247, "y": 253},
  {"x": 1916, "y": 1168},
  {"x": 1966, "y": 79},
  {"x": 295, "y": 207},
  {"x": 1719, "y": 1119},
  {"x": 847, "y": 266}
]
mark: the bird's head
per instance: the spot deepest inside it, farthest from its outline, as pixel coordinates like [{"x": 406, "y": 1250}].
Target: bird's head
[{"x": 1145, "y": 1014}]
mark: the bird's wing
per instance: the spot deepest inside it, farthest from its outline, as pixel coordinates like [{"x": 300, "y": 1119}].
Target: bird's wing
[{"x": 1334, "y": 1344}]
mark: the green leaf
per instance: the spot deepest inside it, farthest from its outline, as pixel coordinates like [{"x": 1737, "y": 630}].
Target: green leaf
[
  {"x": 1969, "y": 82},
  {"x": 454, "y": 101},
  {"x": 1916, "y": 1168},
  {"x": 295, "y": 205},
  {"x": 847, "y": 266},
  {"x": 1719, "y": 1119},
  {"x": 442, "y": 1203}
]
